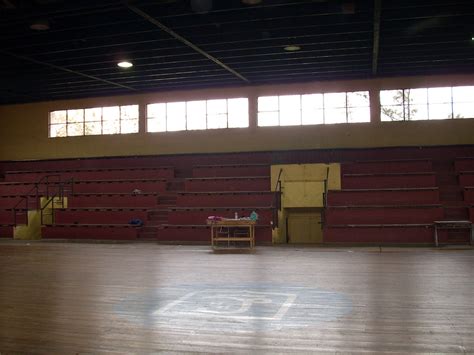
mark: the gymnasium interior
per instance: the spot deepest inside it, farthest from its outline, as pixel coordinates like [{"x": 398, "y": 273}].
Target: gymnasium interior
[{"x": 239, "y": 176}]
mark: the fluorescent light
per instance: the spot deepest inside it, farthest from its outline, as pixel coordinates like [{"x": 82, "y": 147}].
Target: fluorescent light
[
  {"x": 40, "y": 25},
  {"x": 251, "y": 2},
  {"x": 125, "y": 65},
  {"x": 292, "y": 48}
]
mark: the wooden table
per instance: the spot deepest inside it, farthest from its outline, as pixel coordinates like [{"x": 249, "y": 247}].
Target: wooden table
[
  {"x": 224, "y": 230},
  {"x": 453, "y": 225}
]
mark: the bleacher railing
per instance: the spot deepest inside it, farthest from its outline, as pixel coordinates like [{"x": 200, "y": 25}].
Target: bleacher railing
[
  {"x": 277, "y": 201},
  {"x": 325, "y": 198},
  {"x": 49, "y": 186}
]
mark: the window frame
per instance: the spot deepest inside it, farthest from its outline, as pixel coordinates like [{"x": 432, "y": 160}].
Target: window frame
[
  {"x": 206, "y": 113},
  {"x": 101, "y": 121},
  {"x": 406, "y": 106},
  {"x": 323, "y": 109}
]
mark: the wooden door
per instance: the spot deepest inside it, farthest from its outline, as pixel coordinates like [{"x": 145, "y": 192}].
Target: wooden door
[{"x": 304, "y": 228}]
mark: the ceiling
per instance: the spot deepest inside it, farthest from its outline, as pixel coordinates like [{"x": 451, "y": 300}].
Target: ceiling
[{"x": 183, "y": 44}]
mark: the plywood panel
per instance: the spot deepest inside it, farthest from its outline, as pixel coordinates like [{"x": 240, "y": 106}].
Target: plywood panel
[{"x": 304, "y": 228}]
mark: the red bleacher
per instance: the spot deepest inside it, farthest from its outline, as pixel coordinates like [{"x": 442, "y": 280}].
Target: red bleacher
[
  {"x": 113, "y": 200},
  {"x": 229, "y": 170},
  {"x": 225, "y": 198},
  {"x": 255, "y": 183},
  {"x": 93, "y": 174},
  {"x": 395, "y": 196},
  {"x": 392, "y": 196}
]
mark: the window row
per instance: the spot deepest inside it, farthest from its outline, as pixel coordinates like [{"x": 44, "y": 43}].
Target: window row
[
  {"x": 198, "y": 115},
  {"x": 94, "y": 121},
  {"x": 283, "y": 110},
  {"x": 291, "y": 110},
  {"x": 427, "y": 104}
]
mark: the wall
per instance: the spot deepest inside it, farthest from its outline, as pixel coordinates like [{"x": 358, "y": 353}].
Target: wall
[{"x": 24, "y": 128}]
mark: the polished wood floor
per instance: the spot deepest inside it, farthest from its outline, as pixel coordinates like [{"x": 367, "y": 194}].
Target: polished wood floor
[{"x": 146, "y": 298}]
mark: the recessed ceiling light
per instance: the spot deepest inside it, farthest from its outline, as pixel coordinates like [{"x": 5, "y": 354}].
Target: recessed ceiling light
[
  {"x": 125, "y": 65},
  {"x": 292, "y": 48},
  {"x": 40, "y": 25},
  {"x": 251, "y": 2}
]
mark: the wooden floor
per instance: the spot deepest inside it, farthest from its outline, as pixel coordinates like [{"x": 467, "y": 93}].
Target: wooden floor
[{"x": 143, "y": 298}]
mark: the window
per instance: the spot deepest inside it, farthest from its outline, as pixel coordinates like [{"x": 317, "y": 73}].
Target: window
[
  {"x": 296, "y": 110},
  {"x": 427, "y": 103},
  {"x": 197, "y": 115},
  {"x": 94, "y": 121}
]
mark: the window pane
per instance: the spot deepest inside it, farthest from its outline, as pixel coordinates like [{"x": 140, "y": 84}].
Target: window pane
[
  {"x": 93, "y": 114},
  {"x": 111, "y": 113},
  {"x": 268, "y": 119},
  {"x": 217, "y": 121},
  {"x": 358, "y": 99},
  {"x": 238, "y": 115},
  {"x": 93, "y": 128},
  {"x": 439, "y": 96},
  {"x": 75, "y": 129},
  {"x": 111, "y": 127},
  {"x": 57, "y": 130},
  {"x": 156, "y": 124},
  {"x": 129, "y": 126},
  {"x": 57, "y": 117},
  {"x": 335, "y": 100},
  {"x": 418, "y": 112},
  {"x": 314, "y": 117},
  {"x": 176, "y": 116},
  {"x": 290, "y": 110},
  {"x": 440, "y": 111},
  {"x": 215, "y": 107},
  {"x": 334, "y": 115},
  {"x": 312, "y": 112},
  {"x": 156, "y": 110},
  {"x": 463, "y": 110},
  {"x": 358, "y": 114},
  {"x": 268, "y": 103},
  {"x": 416, "y": 96},
  {"x": 392, "y": 113},
  {"x": 391, "y": 97},
  {"x": 129, "y": 111},
  {"x": 463, "y": 94},
  {"x": 75, "y": 116},
  {"x": 196, "y": 115}
]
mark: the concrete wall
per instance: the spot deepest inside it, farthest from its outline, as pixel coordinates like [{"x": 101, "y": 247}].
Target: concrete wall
[{"x": 24, "y": 128}]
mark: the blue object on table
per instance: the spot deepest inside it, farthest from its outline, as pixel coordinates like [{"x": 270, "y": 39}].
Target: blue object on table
[{"x": 254, "y": 216}]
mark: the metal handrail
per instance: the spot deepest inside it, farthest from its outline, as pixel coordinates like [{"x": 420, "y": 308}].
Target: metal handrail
[
  {"x": 325, "y": 197},
  {"x": 277, "y": 201},
  {"x": 59, "y": 194},
  {"x": 35, "y": 191}
]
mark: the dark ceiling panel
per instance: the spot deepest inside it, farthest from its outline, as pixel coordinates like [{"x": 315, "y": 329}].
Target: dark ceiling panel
[{"x": 77, "y": 56}]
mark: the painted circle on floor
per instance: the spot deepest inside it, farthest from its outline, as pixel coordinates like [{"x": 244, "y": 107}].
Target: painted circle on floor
[{"x": 235, "y": 307}]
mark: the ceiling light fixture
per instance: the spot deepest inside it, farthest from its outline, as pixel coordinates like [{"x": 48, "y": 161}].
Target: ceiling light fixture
[
  {"x": 125, "y": 64},
  {"x": 40, "y": 25},
  {"x": 292, "y": 48},
  {"x": 251, "y": 2}
]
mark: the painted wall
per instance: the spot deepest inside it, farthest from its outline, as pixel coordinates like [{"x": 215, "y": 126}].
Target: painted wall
[{"x": 24, "y": 128}]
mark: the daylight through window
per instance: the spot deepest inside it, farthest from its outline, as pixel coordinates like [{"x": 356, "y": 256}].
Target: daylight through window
[
  {"x": 311, "y": 109},
  {"x": 94, "y": 121},
  {"x": 198, "y": 115},
  {"x": 427, "y": 103}
]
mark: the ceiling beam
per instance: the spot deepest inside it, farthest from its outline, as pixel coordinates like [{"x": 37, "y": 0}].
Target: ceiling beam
[
  {"x": 57, "y": 67},
  {"x": 375, "y": 50},
  {"x": 183, "y": 40}
]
